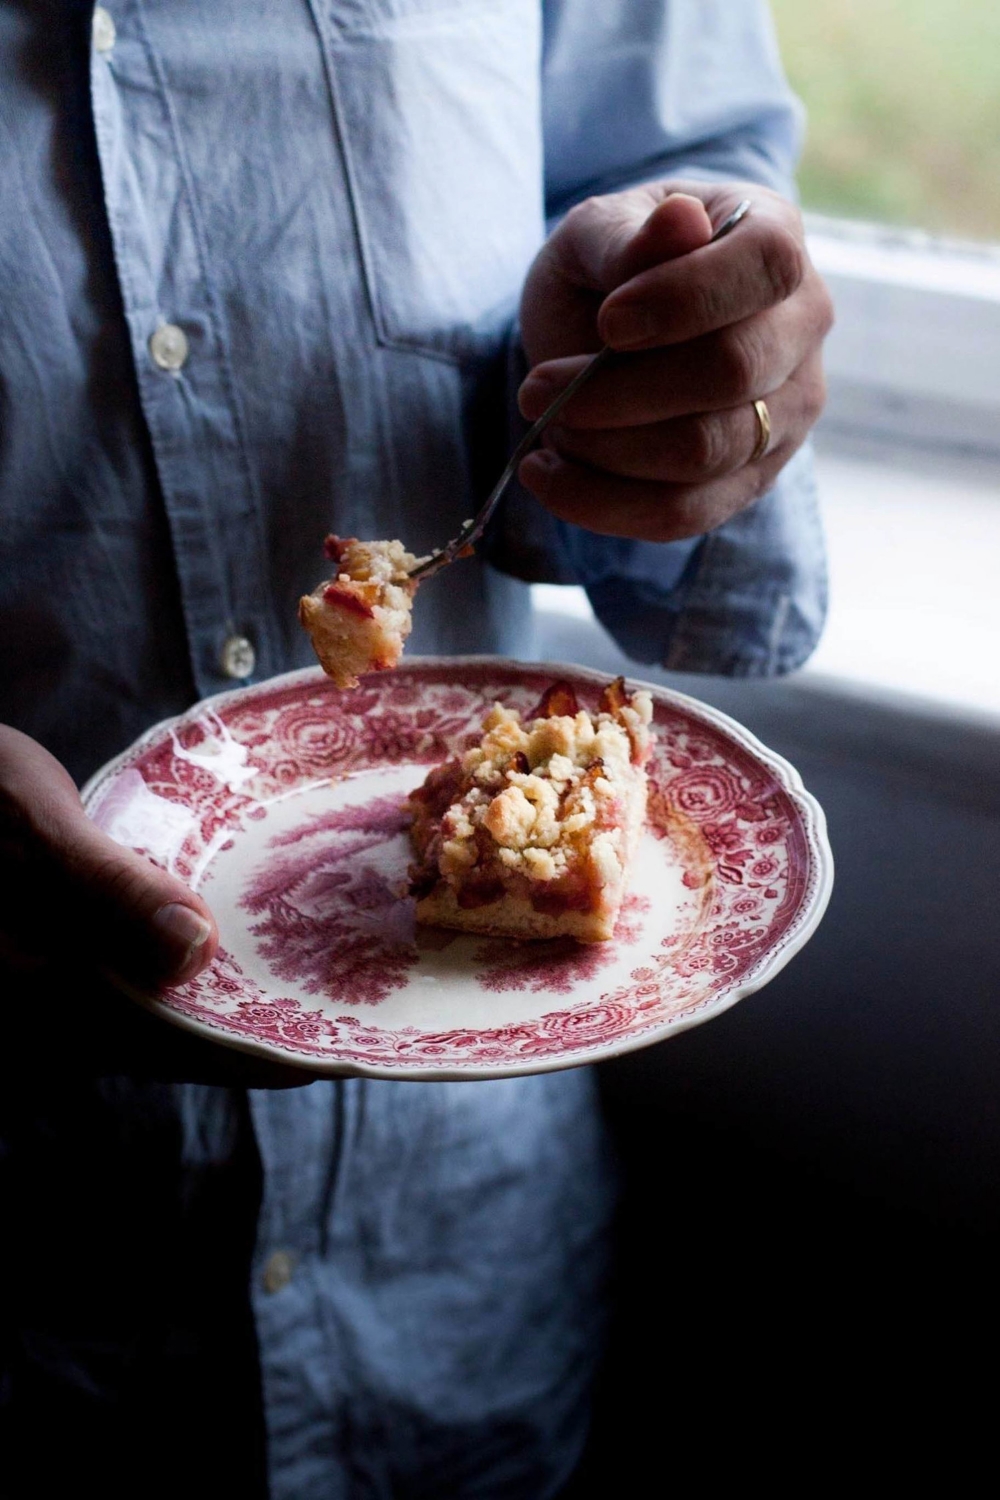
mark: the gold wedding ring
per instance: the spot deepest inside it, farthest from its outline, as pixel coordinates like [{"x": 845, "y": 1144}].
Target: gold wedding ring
[{"x": 763, "y": 431}]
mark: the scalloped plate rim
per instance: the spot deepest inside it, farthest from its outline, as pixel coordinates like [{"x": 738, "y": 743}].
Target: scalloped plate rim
[{"x": 814, "y": 822}]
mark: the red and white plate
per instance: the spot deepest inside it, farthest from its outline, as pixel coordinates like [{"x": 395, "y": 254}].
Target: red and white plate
[{"x": 282, "y": 805}]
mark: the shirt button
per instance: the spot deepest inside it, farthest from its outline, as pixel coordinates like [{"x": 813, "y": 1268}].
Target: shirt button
[
  {"x": 169, "y": 346},
  {"x": 278, "y": 1271},
  {"x": 238, "y": 657},
  {"x": 104, "y": 30}
]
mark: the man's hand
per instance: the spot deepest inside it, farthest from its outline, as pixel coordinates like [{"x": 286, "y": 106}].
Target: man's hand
[
  {"x": 78, "y": 908},
  {"x": 660, "y": 444}
]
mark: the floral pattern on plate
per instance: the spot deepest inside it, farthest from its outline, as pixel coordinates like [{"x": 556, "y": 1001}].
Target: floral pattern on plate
[{"x": 282, "y": 803}]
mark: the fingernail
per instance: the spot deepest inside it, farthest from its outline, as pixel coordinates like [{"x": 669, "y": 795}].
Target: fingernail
[
  {"x": 182, "y": 933},
  {"x": 627, "y": 324},
  {"x": 683, "y": 198}
]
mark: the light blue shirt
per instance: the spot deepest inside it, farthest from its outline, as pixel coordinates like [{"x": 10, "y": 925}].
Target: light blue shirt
[{"x": 259, "y": 267}]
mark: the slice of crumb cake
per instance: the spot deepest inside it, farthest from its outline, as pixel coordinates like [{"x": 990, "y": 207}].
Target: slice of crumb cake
[
  {"x": 530, "y": 834},
  {"x": 359, "y": 620}
]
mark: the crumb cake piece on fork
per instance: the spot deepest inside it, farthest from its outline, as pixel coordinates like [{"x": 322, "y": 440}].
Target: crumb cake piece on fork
[
  {"x": 531, "y": 833},
  {"x": 359, "y": 620}
]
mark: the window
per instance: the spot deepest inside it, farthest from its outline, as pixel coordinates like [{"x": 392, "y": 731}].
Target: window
[
  {"x": 904, "y": 109},
  {"x": 899, "y": 183}
]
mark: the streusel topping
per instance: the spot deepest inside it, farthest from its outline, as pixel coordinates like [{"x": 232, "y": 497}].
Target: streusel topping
[{"x": 536, "y": 788}]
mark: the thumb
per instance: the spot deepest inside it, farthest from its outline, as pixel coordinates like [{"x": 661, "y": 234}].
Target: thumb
[
  {"x": 145, "y": 925},
  {"x": 600, "y": 245},
  {"x": 675, "y": 227},
  {"x": 114, "y": 909},
  {"x": 616, "y": 238}
]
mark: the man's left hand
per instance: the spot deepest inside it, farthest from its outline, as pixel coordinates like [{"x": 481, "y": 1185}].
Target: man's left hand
[{"x": 664, "y": 442}]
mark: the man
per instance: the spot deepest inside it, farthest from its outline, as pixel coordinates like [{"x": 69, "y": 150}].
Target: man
[{"x": 260, "y": 266}]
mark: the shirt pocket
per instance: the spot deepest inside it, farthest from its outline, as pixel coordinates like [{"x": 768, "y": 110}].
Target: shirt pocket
[{"x": 438, "y": 106}]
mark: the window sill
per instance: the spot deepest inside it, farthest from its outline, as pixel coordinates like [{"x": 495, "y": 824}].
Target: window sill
[
  {"x": 914, "y": 355},
  {"x": 914, "y": 542}
]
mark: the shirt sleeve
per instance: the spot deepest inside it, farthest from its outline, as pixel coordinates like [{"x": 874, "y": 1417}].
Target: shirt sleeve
[
  {"x": 637, "y": 90},
  {"x": 647, "y": 90}
]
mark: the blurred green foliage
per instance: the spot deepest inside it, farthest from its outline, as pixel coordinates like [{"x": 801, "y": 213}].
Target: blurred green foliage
[{"x": 904, "y": 109}]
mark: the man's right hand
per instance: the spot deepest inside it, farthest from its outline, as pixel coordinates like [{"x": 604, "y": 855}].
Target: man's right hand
[{"x": 79, "y": 911}]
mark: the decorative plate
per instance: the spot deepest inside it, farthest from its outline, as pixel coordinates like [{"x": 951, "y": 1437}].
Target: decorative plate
[{"x": 283, "y": 805}]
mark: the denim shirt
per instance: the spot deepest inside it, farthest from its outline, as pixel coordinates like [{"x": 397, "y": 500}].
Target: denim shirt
[{"x": 259, "y": 268}]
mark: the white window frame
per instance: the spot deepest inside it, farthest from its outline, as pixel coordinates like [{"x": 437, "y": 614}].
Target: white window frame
[{"x": 915, "y": 352}]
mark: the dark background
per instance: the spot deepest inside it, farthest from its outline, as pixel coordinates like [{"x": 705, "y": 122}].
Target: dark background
[{"x": 808, "y": 1233}]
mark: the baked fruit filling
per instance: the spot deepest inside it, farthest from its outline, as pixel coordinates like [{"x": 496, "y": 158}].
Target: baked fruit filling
[
  {"x": 531, "y": 833},
  {"x": 359, "y": 620}
]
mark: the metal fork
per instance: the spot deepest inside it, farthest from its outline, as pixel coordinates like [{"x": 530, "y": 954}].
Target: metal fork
[{"x": 473, "y": 530}]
